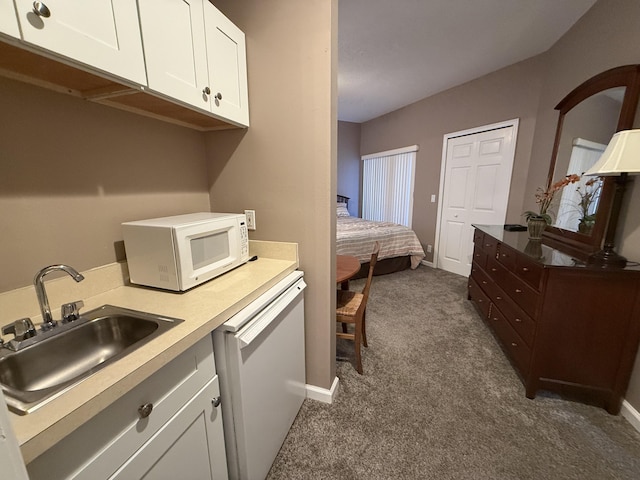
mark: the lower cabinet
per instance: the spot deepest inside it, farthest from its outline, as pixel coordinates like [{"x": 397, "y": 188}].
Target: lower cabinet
[{"x": 169, "y": 426}]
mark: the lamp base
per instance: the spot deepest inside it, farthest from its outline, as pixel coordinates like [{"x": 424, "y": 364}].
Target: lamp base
[{"x": 607, "y": 258}]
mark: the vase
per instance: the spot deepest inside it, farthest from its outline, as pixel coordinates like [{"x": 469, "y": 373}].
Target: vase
[
  {"x": 533, "y": 248},
  {"x": 535, "y": 227}
]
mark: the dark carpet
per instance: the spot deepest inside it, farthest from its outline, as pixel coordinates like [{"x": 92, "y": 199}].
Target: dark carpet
[{"x": 439, "y": 400}]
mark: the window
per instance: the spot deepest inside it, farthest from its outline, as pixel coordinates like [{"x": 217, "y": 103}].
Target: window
[{"x": 387, "y": 185}]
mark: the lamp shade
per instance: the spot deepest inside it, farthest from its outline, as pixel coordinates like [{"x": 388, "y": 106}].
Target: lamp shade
[{"x": 622, "y": 155}]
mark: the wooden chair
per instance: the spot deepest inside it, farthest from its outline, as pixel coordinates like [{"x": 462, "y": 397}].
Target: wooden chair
[{"x": 351, "y": 308}]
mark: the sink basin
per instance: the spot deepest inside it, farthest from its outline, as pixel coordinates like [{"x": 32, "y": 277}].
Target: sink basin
[{"x": 40, "y": 372}]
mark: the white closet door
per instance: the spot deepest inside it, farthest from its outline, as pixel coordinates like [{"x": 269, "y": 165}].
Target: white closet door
[{"x": 476, "y": 190}]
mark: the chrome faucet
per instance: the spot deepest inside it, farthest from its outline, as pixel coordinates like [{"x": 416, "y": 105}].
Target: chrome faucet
[{"x": 47, "y": 319}]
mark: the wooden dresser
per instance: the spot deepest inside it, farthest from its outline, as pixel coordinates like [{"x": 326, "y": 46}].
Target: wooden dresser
[{"x": 566, "y": 327}]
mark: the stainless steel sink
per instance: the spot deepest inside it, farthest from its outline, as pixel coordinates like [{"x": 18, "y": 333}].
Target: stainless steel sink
[{"x": 40, "y": 372}]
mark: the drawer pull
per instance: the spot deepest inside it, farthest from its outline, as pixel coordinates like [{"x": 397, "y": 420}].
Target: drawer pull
[
  {"x": 487, "y": 244},
  {"x": 525, "y": 269},
  {"x": 145, "y": 410},
  {"x": 514, "y": 344},
  {"x": 494, "y": 269},
  {"x": 518, "y": 320},
  {"x": 216, "y": 402},
  {"x": 484, "y": 282},
  {"x": 504, "y": 255},
  {"x": 518, "y": 290},
  {"x": 498, "y": 297}
]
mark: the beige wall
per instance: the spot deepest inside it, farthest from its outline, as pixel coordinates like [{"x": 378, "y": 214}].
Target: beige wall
[
  {"x": 284, "y": 165},
  {"x": 349, "y": 183},
  {"x": 504, "y": 95},
  {"x": 71, "y": 171}
]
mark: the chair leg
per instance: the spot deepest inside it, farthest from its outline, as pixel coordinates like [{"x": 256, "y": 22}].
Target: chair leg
[
  {"x": 358, "y": 340},
  {"x": 364, "y": 328}
]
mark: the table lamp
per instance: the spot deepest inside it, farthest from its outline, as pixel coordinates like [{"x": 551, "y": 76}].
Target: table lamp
[{"x": 620, "y": 158}]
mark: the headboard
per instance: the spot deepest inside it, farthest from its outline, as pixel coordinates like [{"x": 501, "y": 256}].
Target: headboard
[{"x": 343, "y": 199}]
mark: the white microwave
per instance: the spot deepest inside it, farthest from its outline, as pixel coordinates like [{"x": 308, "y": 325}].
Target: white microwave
[{"x": 180, "y": 252}]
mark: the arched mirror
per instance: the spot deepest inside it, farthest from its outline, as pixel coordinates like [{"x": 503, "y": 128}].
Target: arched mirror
[{"x": 589, "y": 116}]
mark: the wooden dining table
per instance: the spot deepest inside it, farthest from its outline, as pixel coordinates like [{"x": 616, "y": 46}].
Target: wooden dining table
[{"x": 346, "y": 267}]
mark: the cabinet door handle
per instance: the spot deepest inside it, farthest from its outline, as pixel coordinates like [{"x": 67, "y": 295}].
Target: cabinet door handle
[
  {"x": 206, "y": 91},
  {"x": 216, "y": 402},
  {"x": 145, "y": 410},
  {"x": 218, "y": 96},
  {"x": 41, "y": 10}
]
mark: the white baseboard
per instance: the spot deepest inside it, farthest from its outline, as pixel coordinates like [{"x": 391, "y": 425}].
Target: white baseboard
[
  {"x": 322, "y": 394},
  {"x": 631, "y": 414},
  {"x": 428, "y": 264}
]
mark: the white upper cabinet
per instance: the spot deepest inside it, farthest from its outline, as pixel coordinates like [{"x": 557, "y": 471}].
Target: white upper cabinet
[
  {"x": 104, "y": 34},
  {"x": 175, "y": 49},
  {"x": 227, "y": 61},
  {"x": 8, "y": 20},
  {"x": 196, "y": 55}
]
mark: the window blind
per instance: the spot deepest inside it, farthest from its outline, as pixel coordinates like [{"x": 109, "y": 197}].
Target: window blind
[{"x": 387, "y": 185}]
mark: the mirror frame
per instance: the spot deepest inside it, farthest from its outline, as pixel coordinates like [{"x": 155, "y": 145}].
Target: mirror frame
[{"x": 626, "y": 76}]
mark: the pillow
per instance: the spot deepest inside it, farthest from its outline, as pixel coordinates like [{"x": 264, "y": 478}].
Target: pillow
[{"x": 342, "y": 210}]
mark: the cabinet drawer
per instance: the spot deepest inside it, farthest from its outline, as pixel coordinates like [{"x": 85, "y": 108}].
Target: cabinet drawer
[
  {"x": 479, "y": 256},
  {"x": 516, "y": 349},
  {"x": 525, "y": 296},
  {"x": 97, "y": 448},
  {"x": 529, "y": 271},
  {"x": 507, "y": 257},
  {"x": 479, "y": 298},
  {"x": 490, "y": 246},
  {"x": 522, "y": 323},
  {"x": 478, "y": 237}
]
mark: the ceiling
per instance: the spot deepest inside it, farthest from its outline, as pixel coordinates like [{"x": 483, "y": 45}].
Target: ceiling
[{"x": 392, "y": 53}]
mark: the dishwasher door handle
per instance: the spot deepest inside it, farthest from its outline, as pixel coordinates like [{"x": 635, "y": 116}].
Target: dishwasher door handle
[{"x": 260, "y": 322}]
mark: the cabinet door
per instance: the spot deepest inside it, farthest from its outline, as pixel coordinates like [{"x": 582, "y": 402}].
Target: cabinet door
[
  {"x": 8, "y": 19},
  {"x": 191, "y": 444},
  {"x": 175, "y": 49},
  {"x": 227, "y": 61},
  {"x": 104, "y": 34}
]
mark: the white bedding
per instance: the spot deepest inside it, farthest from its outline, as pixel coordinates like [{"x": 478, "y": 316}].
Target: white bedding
[{"x": 356, "y": 237}]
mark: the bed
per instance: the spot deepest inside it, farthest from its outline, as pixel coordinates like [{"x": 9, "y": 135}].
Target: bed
[{"x": 399, "y": 246}]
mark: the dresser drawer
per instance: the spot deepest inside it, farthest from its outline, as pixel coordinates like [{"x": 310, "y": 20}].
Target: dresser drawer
[
  {"x": 525, "y": 296},
  {"x": 481, "y": 278},
  {"x": 478, "y": 237},
  {"x": 479, "y": 256},
  {"x": 478, "y": 297},
  {"x": 522, "y": 323},
  {"x": 516, "y": 349},
  {"x": 507, "y": 257},
  {"x": 528, "y": 270},
  {"x": 490, "y": 246}
]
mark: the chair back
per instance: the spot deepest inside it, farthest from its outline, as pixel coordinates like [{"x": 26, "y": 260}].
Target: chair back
[{"x": 372, "y": 264}]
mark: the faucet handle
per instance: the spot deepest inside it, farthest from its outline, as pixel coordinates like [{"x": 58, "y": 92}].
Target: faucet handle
[
  {"x": 71, "y": 311},
  {"x": 21, "y": 329}
]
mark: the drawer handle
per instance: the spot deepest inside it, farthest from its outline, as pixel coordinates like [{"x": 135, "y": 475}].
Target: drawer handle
[
  {"x": 484, "y": 282},
  {"x": 494, "y": 269},
  {"x": 525, "y": 269},
  {"x": 487, "y": 244},
  {"x": 216, "y": 402},
  {"x": 498, "y": 297},
  {"x": 518, "y": 320},
  {"x": 504, "y": 255},
  {"x": 518, "y": 290},
  {"x": 514, "y": 344},
  {"x": 495, "y": 319},
  {"x": 145, "y": 410}
]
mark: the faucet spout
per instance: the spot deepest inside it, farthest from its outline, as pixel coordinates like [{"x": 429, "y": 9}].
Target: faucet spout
[{"x": 47, "y": 319}]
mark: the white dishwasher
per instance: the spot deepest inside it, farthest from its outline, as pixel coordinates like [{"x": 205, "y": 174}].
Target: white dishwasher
[{"x": 259, "y": 356}]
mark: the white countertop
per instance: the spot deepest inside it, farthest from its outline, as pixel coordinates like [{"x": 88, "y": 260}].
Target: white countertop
[{"x": 203, "y": 309}]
